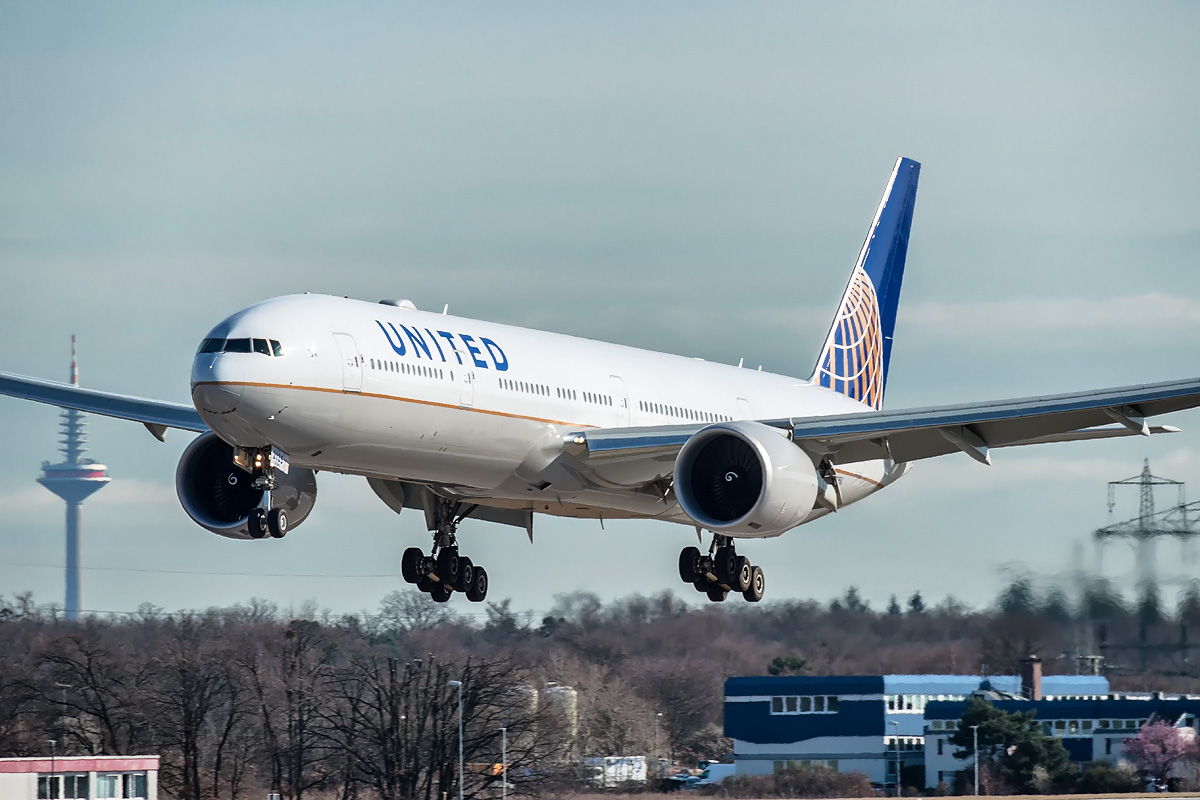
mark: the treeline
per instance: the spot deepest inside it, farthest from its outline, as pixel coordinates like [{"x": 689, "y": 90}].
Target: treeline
[{"x": 249, "y": 698}]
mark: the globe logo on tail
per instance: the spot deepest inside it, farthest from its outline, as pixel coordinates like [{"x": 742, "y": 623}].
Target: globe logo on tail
[{"x": 852, "y": 362}]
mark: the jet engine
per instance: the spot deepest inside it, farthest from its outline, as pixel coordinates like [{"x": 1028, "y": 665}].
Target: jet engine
[
  {"x": 219, "y": 496},
  {"x": 745, "y": 479}
]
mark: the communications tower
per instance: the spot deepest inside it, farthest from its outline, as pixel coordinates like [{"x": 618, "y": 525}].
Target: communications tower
[{"x": 74, "y": 480}]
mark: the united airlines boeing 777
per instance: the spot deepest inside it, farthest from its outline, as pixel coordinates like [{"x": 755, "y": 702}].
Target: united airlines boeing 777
[{"x": 461, "y": 418}]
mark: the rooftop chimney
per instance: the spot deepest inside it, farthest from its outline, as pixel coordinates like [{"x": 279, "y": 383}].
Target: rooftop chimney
[{"x": 1031, "y": 678}]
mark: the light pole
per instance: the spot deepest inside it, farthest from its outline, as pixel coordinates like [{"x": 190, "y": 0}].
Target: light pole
[
  {"x": 62, "y": 717},
  {"x": 975, "y": 747},
  {"x": 504, "y": 764},
  {"x": 896, "y": 745},
  {"x": 657, "y": 762},
  {"x": 458, "y": 685},
  {"x": 50, "y": 792}
]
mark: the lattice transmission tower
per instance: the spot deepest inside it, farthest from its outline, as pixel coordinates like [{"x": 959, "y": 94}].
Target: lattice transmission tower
[{"x": 1143, "y": 531}]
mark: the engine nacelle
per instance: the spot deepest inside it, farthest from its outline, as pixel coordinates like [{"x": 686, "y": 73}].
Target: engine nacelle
[
  {"x": 219, "y": 496},
  {"x": 745, "y": 478}
]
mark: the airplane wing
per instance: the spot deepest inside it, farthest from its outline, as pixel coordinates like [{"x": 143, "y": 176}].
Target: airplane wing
[
  {"x": 156, "y": 415},
  {"x": 918, "y": 433}
]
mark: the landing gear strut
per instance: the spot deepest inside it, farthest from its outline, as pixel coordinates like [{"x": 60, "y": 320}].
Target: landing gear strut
[
  {"x": 721, "y": 571},
  {"x": 444, "y": 571},
  {"x": 261, "y": 464}
]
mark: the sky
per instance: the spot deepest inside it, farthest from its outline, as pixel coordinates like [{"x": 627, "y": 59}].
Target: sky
[{"x": 688, "y": 177}]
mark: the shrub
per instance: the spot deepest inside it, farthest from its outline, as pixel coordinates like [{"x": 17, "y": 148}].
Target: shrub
[
  {"x": 818, "y": 781},
  {"x": 1101, "y": 777}
]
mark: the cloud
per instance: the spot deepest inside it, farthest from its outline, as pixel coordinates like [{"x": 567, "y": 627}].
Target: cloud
[{"x": 1153, "y": 313}]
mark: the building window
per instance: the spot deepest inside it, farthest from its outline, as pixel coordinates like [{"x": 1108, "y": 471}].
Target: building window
[
  {"x": 134, "y": 785},
  {"x": 941, "y": 746},
  {"x": 49, "y": 787},
  {"x": 804, "y": 704},
  {"x": 904, "y": 743},
  {"x": 75, "y": 786},
  {"x": 915, "y": 702}
]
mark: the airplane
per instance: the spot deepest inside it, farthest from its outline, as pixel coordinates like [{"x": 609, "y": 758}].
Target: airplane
[{"x": 461, "y": 418}]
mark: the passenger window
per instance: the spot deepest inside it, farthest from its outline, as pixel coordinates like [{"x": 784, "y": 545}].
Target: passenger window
[
  {"x": 211, "y": 346},
  {"x": 261, "y": 346},
  {"x": 237, "y": 346}
]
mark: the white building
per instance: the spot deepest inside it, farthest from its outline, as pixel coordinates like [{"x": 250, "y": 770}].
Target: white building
[{"x": 79, "y": 778}]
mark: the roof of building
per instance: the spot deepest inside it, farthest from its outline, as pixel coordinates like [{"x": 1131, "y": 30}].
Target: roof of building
[
  {"x": 1118, "y": 706},
  {"x": 79, "y": 764},
  {"x": 907, "y": 684}
]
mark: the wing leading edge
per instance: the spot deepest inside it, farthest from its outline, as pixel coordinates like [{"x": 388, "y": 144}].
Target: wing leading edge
[
  {"x": 156, "y": 415},
  {"x": 918, "y": 433}
]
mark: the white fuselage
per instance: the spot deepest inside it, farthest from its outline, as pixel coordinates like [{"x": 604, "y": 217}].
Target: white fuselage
[{"x": 476, "y": 408}]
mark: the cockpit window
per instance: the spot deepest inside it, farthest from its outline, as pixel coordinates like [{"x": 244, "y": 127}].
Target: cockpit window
[{"x": 266, "y": 347}]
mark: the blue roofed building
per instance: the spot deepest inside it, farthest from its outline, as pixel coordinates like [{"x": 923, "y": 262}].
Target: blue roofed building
[
  {"x": 1091, "y": 728},
  {"x": 866, "y": 724}
]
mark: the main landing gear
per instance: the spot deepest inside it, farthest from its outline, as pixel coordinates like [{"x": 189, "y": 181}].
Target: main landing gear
[
  {"x": 721, "y": 571},
  {"x": 264, "y": 520},
  {"x": 444, "y": 571}
]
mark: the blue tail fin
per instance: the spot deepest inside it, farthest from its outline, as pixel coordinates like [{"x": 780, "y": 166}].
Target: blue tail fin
[{"x": 854, "y": 360}]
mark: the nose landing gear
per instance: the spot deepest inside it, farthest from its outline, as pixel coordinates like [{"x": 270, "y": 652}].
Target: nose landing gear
[
  {"x": 721, "y": 571},
  {"x": 261, "y": 463},
  {"x": 444, "y": 571}
]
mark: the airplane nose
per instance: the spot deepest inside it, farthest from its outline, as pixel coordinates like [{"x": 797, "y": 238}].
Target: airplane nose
[{"x": 216, "y": 384}]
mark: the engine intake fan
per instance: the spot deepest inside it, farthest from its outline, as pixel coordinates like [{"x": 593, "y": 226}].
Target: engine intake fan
[{"x": 745, "y": 478}]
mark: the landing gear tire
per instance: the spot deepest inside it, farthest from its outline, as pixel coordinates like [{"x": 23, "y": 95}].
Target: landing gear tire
[
  {"x": 426, "y": 584},
  {"x": 440, "y": 592},
  {"x": 717, "y": 593},
  {"x": 726, "y": 565},
  {"x": 758, "y": 585},
  {"x": 466, "y": 575},
  {"x": 449, "y": 566},
  {"x": 744, "y": 575},
  {"x": 689, "y": 558},
  {"x": 479, "y": 586},
  {"x": 410, "y": 564},
  {"x": 257, "y": 524},
  {"x": 277, "y": 523}
]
